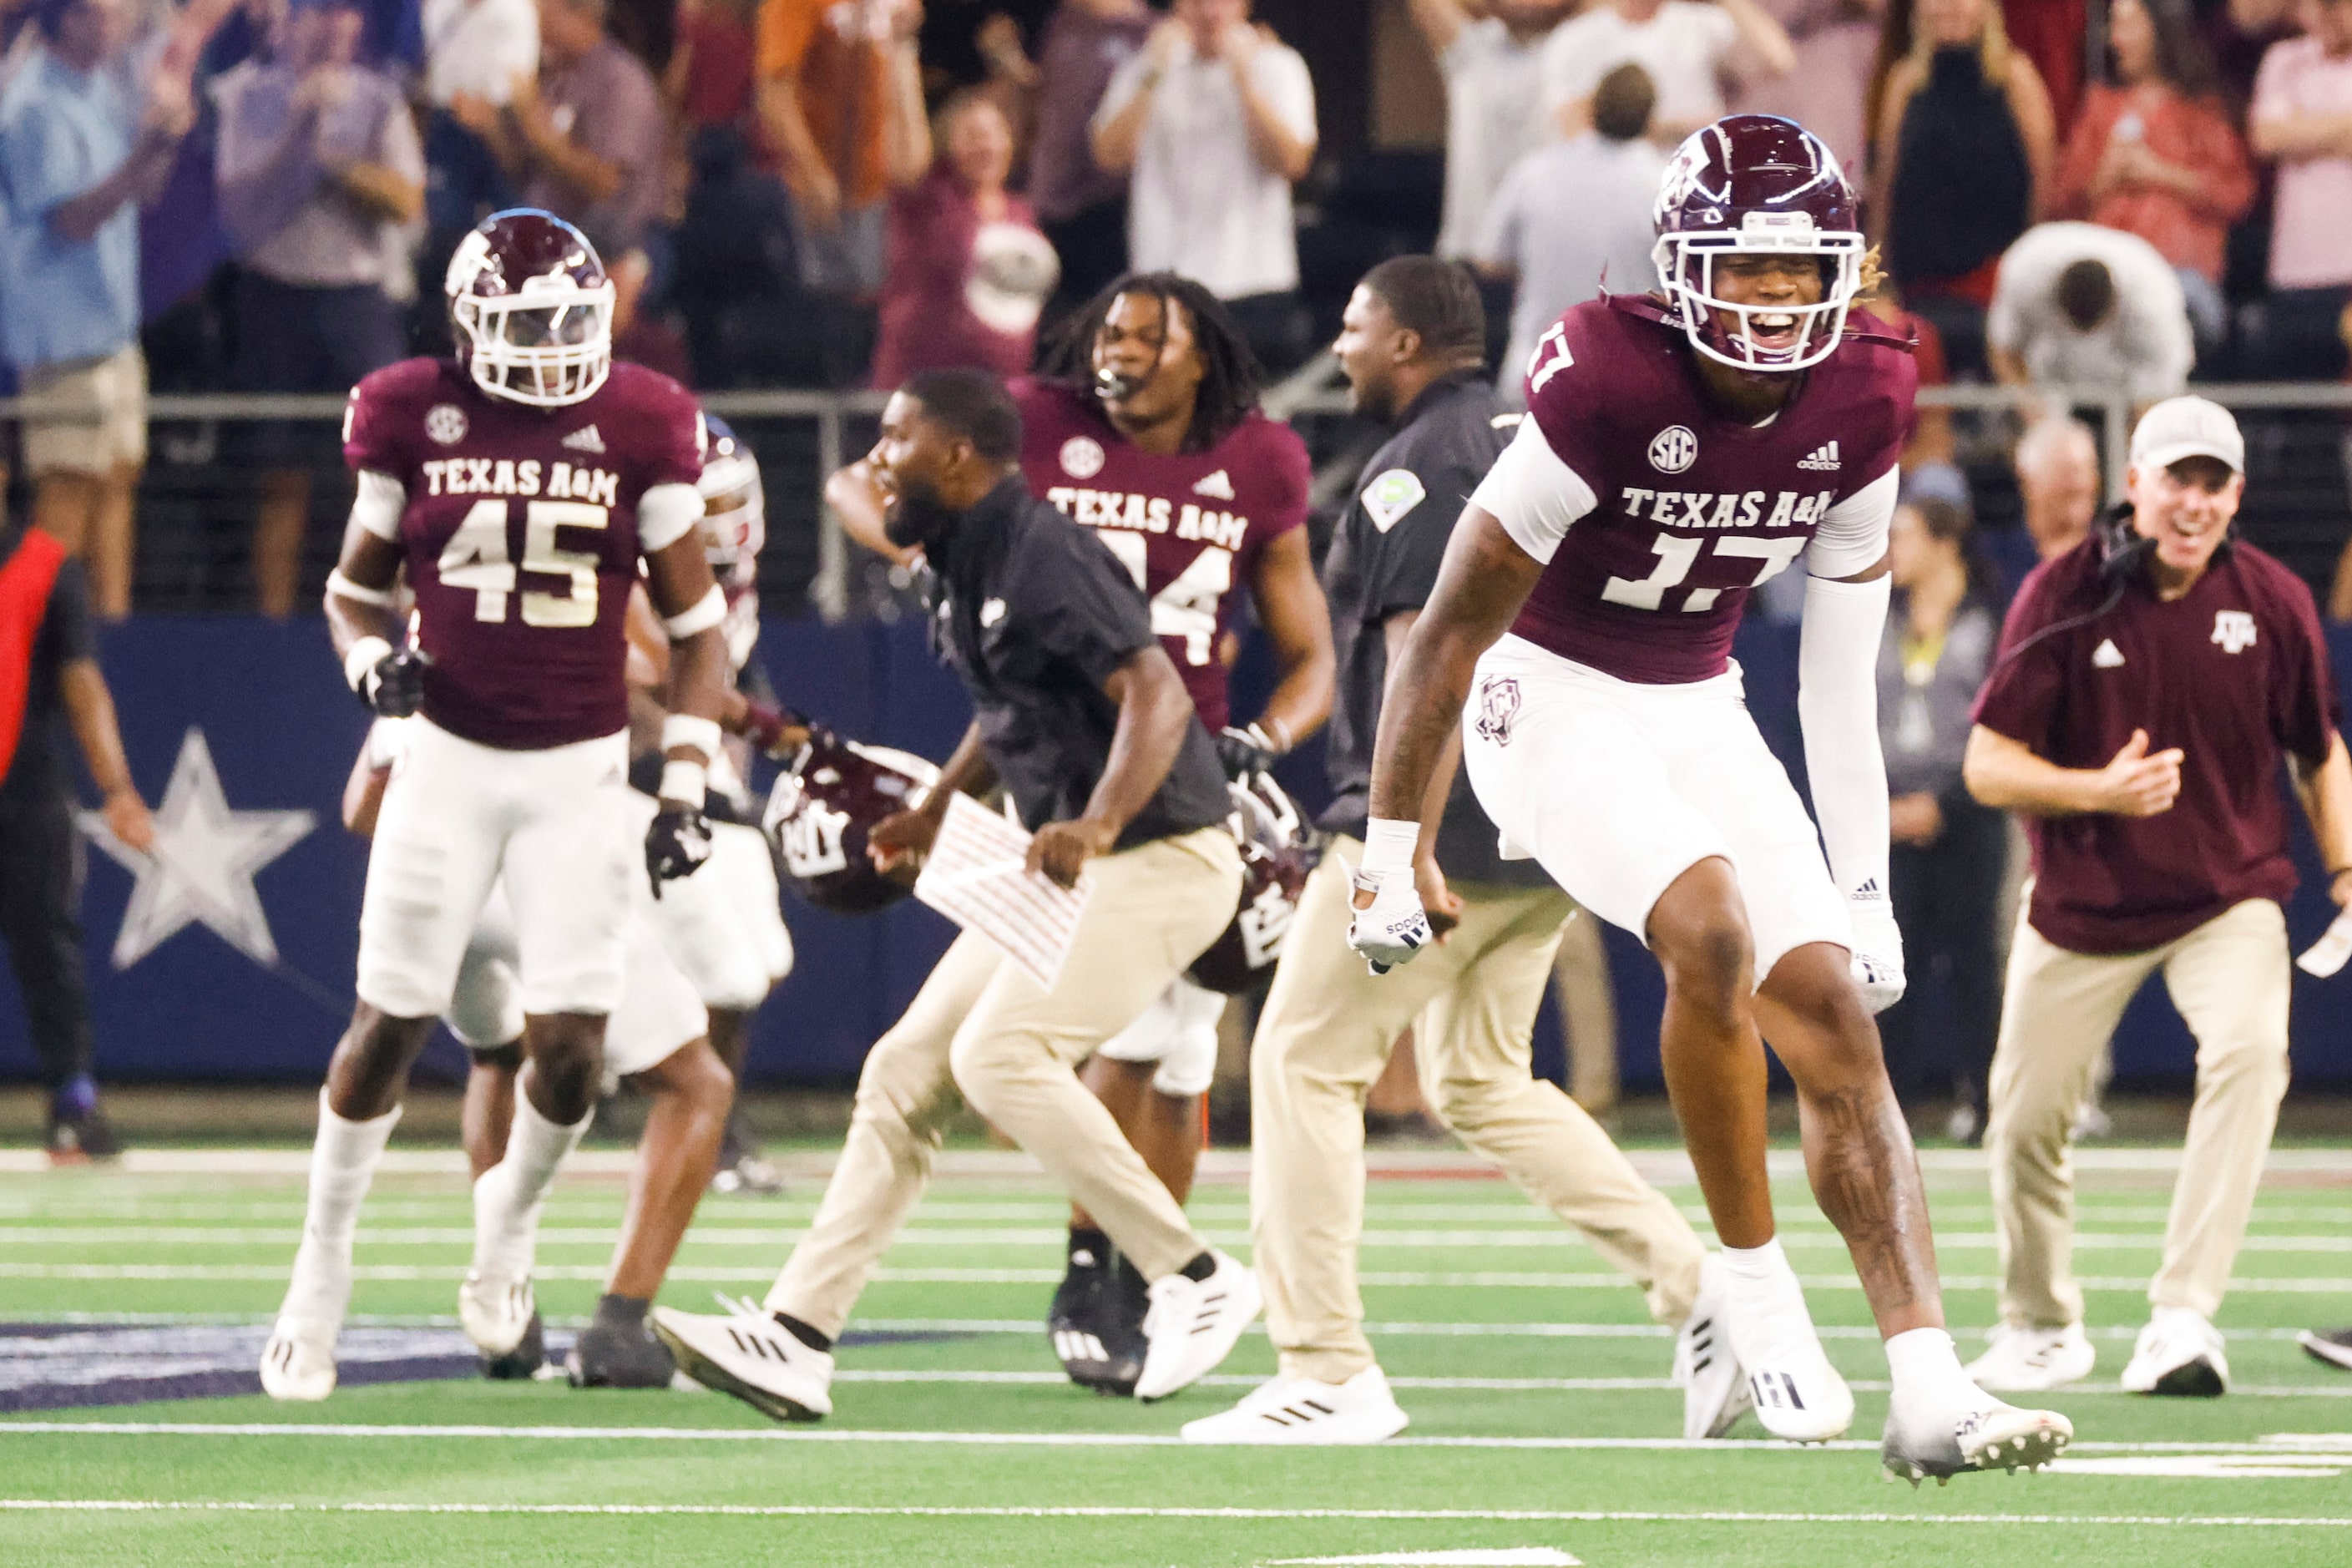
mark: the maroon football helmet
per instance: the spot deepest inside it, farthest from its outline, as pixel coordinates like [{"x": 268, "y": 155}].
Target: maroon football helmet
[
  {"x": 1277, "y": 852},
  {"x": 821, "y": 809},
  {"x": 532, "y": 309},
  {"x": 1756, "y": 184}
]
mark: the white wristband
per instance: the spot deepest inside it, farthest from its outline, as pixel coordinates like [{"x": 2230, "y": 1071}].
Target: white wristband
[
  {"x": 685, "y": 783},
  {"x": 1389, "y": 845},
  {"x": 363, "y": 657},
  {"x": 686, "y": 729}
]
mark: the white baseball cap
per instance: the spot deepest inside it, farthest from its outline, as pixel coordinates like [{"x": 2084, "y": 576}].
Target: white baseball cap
[{"x": 2182, "y": 428}]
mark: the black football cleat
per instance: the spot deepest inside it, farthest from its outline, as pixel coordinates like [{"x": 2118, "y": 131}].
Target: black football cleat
[
  {"x": 618, "y": 1355},
  {"x": 1096, "y": 1322},
  {"x": 78, "y": 1131},
  {"x": 520, "y": 1363},
  {"x": 2333, "y": 1346}
]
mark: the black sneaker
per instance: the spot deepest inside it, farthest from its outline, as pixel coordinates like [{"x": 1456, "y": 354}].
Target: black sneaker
[
  {"x": 520, "y": 1363},
  {"x": 2333, "y": 1346},
  {"x": 1096, "y": 1326},
  {"x": 618, "y": 1355},
  {"x": 78, "y": 1139}
]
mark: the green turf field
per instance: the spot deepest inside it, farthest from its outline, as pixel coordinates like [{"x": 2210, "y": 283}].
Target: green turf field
[{"x": 1543, "y": 1428}]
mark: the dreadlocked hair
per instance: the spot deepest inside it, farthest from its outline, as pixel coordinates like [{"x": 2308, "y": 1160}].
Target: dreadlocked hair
[{"x": 1230, "y": 373}]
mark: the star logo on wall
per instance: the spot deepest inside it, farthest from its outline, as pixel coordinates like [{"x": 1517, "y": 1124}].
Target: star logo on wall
[{"x": 205, "y": 858}]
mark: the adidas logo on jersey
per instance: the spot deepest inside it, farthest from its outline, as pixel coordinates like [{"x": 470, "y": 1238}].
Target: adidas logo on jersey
[
  {"x": 1823, "y": 457},
  {"x": 584, "y": 439},
  {"x": 2106, "y": 656},
  {"x": 1219, "y": 484}
]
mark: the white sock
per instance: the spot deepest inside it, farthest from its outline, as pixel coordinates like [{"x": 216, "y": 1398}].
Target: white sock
[
  {"x": 510, "y": 1195},
  {"x": 1926, "y": 1370},
  {"x": 1769, "y": 1323},
  {"x": 342, "y": 1164}
]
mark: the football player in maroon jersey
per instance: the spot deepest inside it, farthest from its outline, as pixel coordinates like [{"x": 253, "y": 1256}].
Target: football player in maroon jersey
[
  {"x": 1143, "y": 424},
  {"x": 1680, "y": 448},
  {"x": 520, "y": 484}
]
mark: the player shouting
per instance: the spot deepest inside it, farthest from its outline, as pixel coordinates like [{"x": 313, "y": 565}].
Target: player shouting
[
  {"x": 1679, "y": 450},
  {"x": 520, "y": 484},
  {"x": 1143, "y": 424}
]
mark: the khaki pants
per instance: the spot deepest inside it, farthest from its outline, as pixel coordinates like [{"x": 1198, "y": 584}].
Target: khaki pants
[
  {"x": 982, "y": 1026},
  {"x": 1471, "y": 1001},
  {"x": 2229, "y": 979},
  {"x": 113, "y": 434}
]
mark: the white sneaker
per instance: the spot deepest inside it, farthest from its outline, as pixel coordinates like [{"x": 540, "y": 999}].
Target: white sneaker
[
  {"x": 1714, "y": 1394},
  {"x": 1301, "y": 1410},
  {"x": 1193, "y": 1324},
  {"x": 2021, "y": 1360},
  {"x": 299, "y": 1362},
  {"x": 2178, "y": 1354},
  {"x": 496, "y": 1312},
  {"x": 750, "y": 1355},
  {"x": 1983, "y": 1434}
]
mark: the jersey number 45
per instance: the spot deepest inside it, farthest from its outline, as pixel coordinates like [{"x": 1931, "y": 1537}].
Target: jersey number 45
[{"x": 476, "y": 558}]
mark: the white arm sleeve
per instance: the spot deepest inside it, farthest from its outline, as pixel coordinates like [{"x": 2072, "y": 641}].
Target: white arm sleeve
[
  {"x": 381, "y": 500},
  {"x": 665, "y": 514},
  {"x": 1853, "y": 535},
  {"x": 1533, "y": 494},
  {"x": 1837, "y": 703}
]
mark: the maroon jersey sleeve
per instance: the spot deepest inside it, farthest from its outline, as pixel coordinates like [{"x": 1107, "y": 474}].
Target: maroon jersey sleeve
[
  {"x": 1568, "y": 387},
  {"x": 665, "y": 431},
  {"x": 2023, "y": 694},
  {"x": 384, "y": 413},
  {"x": 2305, "y": 711}
]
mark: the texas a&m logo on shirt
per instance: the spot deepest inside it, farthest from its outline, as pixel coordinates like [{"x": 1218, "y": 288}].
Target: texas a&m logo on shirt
[{"x": 2233, "y": 630}]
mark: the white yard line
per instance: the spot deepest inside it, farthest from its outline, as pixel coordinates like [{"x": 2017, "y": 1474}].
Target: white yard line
[{"x": 1433, "y": 1515}]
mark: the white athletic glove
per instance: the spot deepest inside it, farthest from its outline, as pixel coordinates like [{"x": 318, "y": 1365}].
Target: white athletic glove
[
  {"x": 1877, "y": 948},
  {"x": 1394, "y": 926}
]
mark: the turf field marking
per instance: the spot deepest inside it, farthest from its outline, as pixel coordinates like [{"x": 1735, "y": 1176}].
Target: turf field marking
[
  {"x": 2285, "y": 1444},
  {"x": 1437, "y": 1515},
  {"x": 778, "y": 1239},
  {"x": 692, "y": 1273},
  {"x": 1476, "y": 1557}
]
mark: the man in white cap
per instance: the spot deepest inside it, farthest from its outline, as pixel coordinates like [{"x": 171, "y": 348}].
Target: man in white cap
[{"x": 2150, "y": 682}]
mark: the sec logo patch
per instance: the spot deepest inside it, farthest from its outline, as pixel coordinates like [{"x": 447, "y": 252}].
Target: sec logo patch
[
  {"x": 1081, "y": 457},
  {"x": 1672, "y": 449},
  {"x": 446, "y": 423}
]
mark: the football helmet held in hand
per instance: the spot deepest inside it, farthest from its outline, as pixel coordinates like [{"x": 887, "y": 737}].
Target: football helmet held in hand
[
  {"x": 822, "y": 805},
  {"x": 1277, "y": 852}
]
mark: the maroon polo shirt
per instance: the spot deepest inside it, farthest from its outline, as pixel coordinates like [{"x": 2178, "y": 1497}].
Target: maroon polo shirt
[{"x": 2234, "y": 673}]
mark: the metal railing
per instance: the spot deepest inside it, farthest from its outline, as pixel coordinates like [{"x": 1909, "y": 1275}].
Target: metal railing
[{"x": 1315, "y": 390}]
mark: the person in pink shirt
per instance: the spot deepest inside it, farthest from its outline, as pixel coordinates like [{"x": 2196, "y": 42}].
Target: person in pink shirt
[
  {"x": 2153, "y": 152},
  {"x": 969, "y": 272},
  {"x": 2302, "y": 120}
]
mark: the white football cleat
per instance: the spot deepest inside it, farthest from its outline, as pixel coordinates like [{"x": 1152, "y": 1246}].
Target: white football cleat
[
  {"x": 750, "y": 1355},
  {"x": 299, "y": 1362},
  {"x": 1987, "y": 1435},
  {"x": 1715, "y": 1390},
  {"x": 1193, "y": 1324},
  {"x": 2028, "y": 1361},
  {"x": 1800, "y": 1399},
  {"x": 2178, "y": 1354},
  {"x": 496, "y": 1312},
  {"x": 1303, "y": 1411}
]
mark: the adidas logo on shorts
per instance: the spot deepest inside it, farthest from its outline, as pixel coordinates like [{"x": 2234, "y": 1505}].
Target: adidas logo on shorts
[
  {"x": 1823, "y": 457},
  {"x": 584, "y": 439}
]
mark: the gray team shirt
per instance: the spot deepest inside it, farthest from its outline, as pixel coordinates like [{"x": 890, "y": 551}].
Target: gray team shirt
[{"x": 1383, "y": 559}]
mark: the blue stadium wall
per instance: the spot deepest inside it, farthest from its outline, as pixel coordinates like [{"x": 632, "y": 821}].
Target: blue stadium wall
[{"x": 281, "y": 733}]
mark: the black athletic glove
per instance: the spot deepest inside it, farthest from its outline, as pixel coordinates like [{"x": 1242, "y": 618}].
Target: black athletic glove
[
  {"x": 676, "y": 844},
  {"x": 395, "y": 688},
  {"x": 1246, "y": 750}
]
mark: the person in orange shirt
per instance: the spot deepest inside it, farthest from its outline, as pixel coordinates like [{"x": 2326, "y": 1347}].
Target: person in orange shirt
[
  {"x": 841, "y": 99},
  {"x": 2155, "y": 153}
]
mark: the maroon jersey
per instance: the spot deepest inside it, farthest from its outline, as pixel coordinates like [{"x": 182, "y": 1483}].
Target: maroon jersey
[
  {"x": 2234, "y": 673},
  {"x": 520, "y": 528},
  {"x": 1188, "y": 527},
  {"x": 1659, "y": 514}
]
